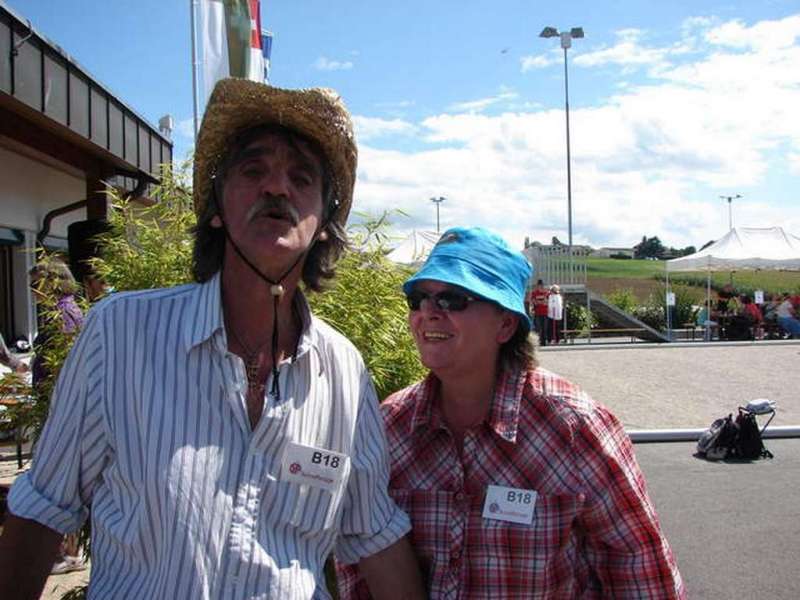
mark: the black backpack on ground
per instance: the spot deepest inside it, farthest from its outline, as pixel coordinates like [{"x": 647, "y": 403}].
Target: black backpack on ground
[
  {"x": 738, "y": 438},
  {"x": 749, "y": 445}
]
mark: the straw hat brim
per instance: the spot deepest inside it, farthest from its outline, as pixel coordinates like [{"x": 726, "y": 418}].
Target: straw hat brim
[{"x": 319, "y": 114}]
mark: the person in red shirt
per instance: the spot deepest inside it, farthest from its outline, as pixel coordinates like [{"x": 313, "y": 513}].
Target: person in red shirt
[
  {"x": 538, "y": 304},
  {"x": 517, "y": 483}
]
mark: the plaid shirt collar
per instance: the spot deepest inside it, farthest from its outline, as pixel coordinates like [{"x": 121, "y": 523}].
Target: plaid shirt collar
[{"x": 503, "y": 416}]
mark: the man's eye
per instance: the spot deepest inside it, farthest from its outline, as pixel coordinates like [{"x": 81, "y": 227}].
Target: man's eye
[
  {"x": 252, "y": 170},
  {"x": 302, "y": 179}
]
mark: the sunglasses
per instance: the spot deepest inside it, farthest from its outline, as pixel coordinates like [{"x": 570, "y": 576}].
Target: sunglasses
[{"x": 449, "y": 301}]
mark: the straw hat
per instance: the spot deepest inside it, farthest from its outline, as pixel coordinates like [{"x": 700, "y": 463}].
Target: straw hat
[{"x": 318, "y": 114}]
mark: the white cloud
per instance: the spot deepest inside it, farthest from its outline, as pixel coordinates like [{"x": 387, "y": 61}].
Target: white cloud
[
  {"x": 651, "y": 160},
  {"x": 630, "y": 50},
  {"x": 483, "y": 103},
  {"x": 323, "y": 63},
  {"x": 793, "y": 162},
  {"x": 368, "y": 128},
  {"x": 538, "y": 61},
  {"x": 763, "y": 35}
]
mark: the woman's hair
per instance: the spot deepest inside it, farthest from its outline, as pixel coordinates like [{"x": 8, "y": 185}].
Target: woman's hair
[
  {"x": 52, "y": 275},
  {"x": 519, "y": 352},
  {"x": 209, "y": 242}
]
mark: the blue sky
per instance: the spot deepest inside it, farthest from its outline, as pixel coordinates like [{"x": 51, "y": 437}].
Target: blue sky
[{"x": 672, "y": 104}]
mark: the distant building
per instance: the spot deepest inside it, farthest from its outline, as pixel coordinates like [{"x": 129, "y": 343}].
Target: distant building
[
  {"x": 607, "y": 252},
  {"x": 557, "y": 245},
  {"x": 62, "y": 136}
]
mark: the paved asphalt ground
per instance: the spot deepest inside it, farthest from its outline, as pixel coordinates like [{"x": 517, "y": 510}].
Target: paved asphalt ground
[{"x": 734, "y": 526}]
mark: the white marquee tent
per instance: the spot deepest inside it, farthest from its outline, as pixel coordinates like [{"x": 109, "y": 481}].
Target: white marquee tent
[
  {"x": 415, "y": 248},
  {"x": 743, "y": 248}
]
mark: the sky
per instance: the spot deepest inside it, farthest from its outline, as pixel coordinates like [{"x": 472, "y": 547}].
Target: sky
[{"x": 672, "y": 105}]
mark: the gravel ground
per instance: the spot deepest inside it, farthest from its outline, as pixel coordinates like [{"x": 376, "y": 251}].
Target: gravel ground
[{"x": 682, "y": 385}]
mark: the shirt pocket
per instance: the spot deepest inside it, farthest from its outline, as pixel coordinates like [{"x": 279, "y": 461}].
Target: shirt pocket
[
  {"x": 545, "y": 549},
  {"x": 310, "y": 509}
]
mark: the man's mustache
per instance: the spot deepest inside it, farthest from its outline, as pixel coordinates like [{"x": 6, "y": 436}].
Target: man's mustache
[{"x": 276, "y": 207}]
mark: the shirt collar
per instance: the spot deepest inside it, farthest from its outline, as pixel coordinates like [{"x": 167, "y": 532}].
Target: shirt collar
[
  {"x": 503, "y": 416},
  {"x": 208, "y": 319}
]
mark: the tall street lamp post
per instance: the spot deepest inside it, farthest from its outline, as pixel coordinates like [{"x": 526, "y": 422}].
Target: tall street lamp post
[
  {"x": 730, "y": 209},
  {"x": 566, "y": 42},
  {"x": 437, "y": 202}
]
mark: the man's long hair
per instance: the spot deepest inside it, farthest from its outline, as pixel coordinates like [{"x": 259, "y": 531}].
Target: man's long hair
[{"x": 209, "y": 242}]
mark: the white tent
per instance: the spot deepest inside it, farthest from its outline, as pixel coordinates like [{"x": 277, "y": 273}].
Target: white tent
[
  {"x": 415, "y": 248},
  {"x": 743, "y": 248}
]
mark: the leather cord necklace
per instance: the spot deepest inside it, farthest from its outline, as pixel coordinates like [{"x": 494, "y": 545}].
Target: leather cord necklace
[{"x": 276, "y": 290}]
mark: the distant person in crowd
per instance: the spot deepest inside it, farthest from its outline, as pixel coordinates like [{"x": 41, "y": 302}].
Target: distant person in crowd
[
  {"x": 705, "y": 319},
  {"x": 9, "y": 360},
  {"x": 724, "y": 297},
  {"x": 786, "y": 313},
  {"x": 518, "y": 484},
  {"x": 84, "y": 245},
  {"x": 771, "y": 303},
  {"x": 752, "y": 313},
  {"x": 51, "y": 279},
  {"x": 223, "y": 440},
  {"x": 750, "y": 310},
  {"x": 555, "y": 314},
  {"x": 538, "y": 304}
]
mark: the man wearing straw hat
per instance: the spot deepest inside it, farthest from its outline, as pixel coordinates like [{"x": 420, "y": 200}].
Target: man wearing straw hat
[
  {"x": 225, "y": 440},
  {"x": 517, "y": 483}
]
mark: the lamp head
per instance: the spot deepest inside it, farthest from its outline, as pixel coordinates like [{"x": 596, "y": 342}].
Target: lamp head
[{"x": 549, "y": 32}]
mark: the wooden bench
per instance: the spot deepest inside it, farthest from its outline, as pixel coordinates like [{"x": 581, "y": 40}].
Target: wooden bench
[{"x": 571, "y": 334}]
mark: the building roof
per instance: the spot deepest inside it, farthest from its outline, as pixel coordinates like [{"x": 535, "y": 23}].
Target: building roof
[{"x": 49, "y": 102}]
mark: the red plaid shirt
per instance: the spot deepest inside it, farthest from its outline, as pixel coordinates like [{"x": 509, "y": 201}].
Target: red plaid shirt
[{"x": 595, "y": 532}]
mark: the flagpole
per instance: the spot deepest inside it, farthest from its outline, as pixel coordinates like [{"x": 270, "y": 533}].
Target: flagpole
[{"x": 192, "y": 10}]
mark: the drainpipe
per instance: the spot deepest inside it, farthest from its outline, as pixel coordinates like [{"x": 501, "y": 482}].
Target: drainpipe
[{"x": 141, "y": 184}]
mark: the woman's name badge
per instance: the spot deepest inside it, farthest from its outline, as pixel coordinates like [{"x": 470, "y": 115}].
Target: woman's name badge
[
  {"x": 312, "y": 466},
  {"x": 509, "y": 504}
]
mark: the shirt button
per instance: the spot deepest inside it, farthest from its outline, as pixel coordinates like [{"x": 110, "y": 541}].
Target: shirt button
[
  {"x": 456, "y": 555},
  {"x": 460, "y": 497}
]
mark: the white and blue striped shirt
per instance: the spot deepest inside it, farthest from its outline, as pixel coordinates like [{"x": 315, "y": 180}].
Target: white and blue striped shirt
[{"x": 149, "y": 428}]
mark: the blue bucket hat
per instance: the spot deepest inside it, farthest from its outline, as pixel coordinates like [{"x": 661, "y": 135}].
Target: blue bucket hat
[{"x": 482, "y": 263}]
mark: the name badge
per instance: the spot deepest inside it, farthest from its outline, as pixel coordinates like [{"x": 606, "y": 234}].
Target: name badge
[
  {"x": 509, "y": 504},
  {"x": 316, "y": 467}
]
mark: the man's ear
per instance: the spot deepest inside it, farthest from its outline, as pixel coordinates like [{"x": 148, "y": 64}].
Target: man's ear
[
  {"x": 216, "y": 221},
  {"x": 508, "y": 325}
]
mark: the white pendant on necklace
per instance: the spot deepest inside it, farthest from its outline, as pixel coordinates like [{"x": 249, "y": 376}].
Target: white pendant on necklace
[{"x": 276, "y": 289}]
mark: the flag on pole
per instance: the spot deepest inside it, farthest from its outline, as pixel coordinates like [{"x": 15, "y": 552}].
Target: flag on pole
[
  {"x": 266, "y": 51},
  {"x": 230, "y": 41}
]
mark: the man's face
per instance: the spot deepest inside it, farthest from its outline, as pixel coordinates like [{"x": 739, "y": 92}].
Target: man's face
[
  {"x": 457, "y": 342},
  {"x": 272, "y": 200}
]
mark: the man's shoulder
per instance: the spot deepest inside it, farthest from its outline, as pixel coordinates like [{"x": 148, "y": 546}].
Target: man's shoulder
[
  {"x": 151, "y": 299},
  {"x": 329, "y": 338}
]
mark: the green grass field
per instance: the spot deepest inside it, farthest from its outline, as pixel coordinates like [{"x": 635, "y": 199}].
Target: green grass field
[{"x": 769, "y": 281}]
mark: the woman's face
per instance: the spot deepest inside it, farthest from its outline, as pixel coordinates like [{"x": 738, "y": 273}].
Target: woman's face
[{"x": 457, "y": 342}]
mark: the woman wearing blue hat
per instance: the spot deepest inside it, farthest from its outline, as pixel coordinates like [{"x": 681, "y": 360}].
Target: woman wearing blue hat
[{"x": 517, "y": 483}]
